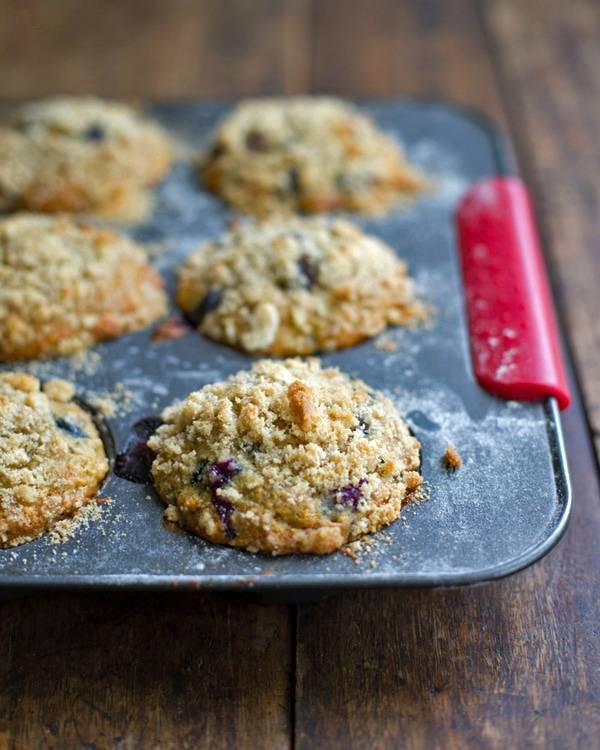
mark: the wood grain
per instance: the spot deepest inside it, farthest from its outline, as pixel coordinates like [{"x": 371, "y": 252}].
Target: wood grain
[
  {"x": 548, "y": 60},
  {"x": 143, "y": 671},
  {"x": 514, "y": 664},
  {"x": 387, "y": 48},
  {"x": 152, "y": 48}
]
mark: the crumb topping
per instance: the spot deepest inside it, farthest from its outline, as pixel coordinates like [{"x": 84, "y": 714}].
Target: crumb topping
[
  {"x": 65, "y": 285},
  {"x": 296, "y": 286},
  {"x": 275, "y": 459},
  {"x": 52, "y": 459},
  {"x": 78, "y": 154},
  {"x": 306, "y": 154}
]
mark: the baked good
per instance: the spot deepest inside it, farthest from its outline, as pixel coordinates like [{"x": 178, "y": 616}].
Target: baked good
[
  {"x": 306, "y": 154},
  {"x": 294, "y": 286},
  {"x": 65, "y": 285},
  {"x": 286, "y": 457},
  {"x": 52, "y": 459},
  {"x": 80, "y": 154}
]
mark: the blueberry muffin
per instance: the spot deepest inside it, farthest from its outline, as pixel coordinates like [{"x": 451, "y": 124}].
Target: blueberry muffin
[
  {"x": 65, "y": 285},
  {"x": 296, "y": 286},
  {"x": 80, "y": 155},
  {"x": 306, "y": 155},
  {"x": 285, "y": 458},
  {"x": 52, "y": 459}
]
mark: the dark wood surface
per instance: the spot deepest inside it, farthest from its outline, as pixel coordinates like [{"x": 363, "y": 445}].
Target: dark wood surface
[{"x": 515, "y": 664}]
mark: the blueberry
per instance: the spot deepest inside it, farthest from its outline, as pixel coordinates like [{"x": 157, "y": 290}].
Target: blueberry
[
  {"x": 256, "y": 141},
  {"x": 218, "y": 150},
  {"x": 221, "y": 472},
  {"x": 224, "y": 510},
  {"x": 209, "y": 303},
  {"x": 95, "y": 133},
  {"x": 309, "y": 270},
  {"x": 215, "y": 476},
  {"x": 70, "y": 427},
  {"x": 294, "y": 181},
  {"x": 135, "y": 460},
  {"x": 350, "y": 494}
]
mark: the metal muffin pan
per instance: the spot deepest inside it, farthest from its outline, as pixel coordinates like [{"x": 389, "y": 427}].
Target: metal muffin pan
[{"x": 505, "y": 508}]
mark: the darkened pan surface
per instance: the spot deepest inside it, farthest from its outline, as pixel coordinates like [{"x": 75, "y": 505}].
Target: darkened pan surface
[{"x": 501, "y": 511}]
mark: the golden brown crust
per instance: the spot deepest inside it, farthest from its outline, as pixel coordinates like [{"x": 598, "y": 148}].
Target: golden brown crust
[
  {"x": 65, "y": 285},
  {"x": 80, "y": 155},
  {"x": 52, "y": 459},
  {"x": 306, "y": 154},
  {"x": 302, "y": 405},
  {"x": 296, "y": 286},
  {"x": 285, "y": 458}
]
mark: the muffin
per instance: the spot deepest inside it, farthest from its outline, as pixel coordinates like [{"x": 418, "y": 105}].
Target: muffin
[
  {"x": 73, "y": 154},
  {"x": 285, "y": 458},
  {"x": 307, "y": 155},
  {"x": 52, "y": 459},
  {"x": 296, "y": 286},
  {"x": 64, "y": 285}
]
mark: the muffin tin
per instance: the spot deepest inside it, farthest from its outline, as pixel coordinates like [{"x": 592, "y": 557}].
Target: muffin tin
[{"x": 501, "y": 511}]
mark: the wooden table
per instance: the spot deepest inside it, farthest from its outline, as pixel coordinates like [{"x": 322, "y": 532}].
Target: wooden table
[{"x": 513, "y": 664}]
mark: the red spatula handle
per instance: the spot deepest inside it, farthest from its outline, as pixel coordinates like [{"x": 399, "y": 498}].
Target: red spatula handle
[{"x": 514, "y": 340}]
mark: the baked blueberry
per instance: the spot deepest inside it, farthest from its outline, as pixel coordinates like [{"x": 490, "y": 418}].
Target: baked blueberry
[
  {"x": 306, "y": 155},
  {"x": 295, "y": 287},
  {"x": 279, "y": 499}
]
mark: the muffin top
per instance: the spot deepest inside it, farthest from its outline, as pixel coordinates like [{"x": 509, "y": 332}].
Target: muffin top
[
  {"x": 294, "y": 286},
  {"x": 52, "y": 459},
  {"x": 286, "y": 457},
  {"x": 65, "y": 285},
  {"x": 73, "y": 154},
  {"x": 306, "y": 154}
]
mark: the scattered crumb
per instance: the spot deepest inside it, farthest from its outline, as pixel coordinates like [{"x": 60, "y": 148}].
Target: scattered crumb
[
  {"x": 91, "y": 512},
  {"x": 86, "y": 363},
  {"x": 59, "y": 390},
  {"x": 171, "y": 526},
  {"x": 386, "y": 344},
  {"x": 172, "y": 328},
  {"x": 451, "y": 459},
  {"x": 349, "y": 552},
  {"x": 112, "y": 402},
  {"x": 105, "y": 406}
]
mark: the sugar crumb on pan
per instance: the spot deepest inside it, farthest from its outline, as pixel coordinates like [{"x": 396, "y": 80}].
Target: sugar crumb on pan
[
  {"x": 117, "y": 401},
  {"x": 451, "y": 458},
  {"x": 173, "y": 328},
  {"x": 90, "y": 513},
  {"x": 385, "y": 344}
]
